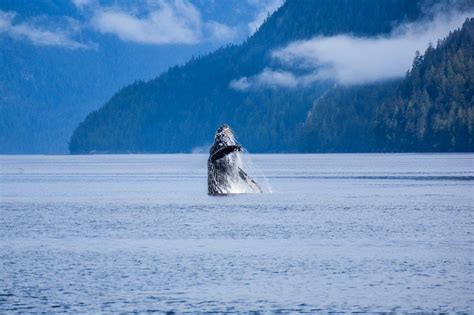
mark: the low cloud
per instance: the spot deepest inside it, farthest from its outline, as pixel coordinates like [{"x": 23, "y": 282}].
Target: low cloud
[
  {"x": 350, "y": 60},
  {"x": 267, "y": 78},
  {"x": 39, "y": 36}
]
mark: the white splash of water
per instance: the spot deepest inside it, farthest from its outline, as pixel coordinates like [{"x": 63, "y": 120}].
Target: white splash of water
[
  {"x": 236, "y": 184},
  {"x": 255, "y": 172},
  {"x": 244, "y": 177}
]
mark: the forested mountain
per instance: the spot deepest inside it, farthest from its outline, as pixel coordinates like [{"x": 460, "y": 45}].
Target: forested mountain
[
  {"x": 342, "y": 120},
  {"x": 431, "y": 109},
  {"x": 180, "y": 110},
  {"x": 56, "y": 66}
]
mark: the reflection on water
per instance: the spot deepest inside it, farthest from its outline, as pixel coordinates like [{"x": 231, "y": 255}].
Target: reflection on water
[{"x": 348, "y": 232}]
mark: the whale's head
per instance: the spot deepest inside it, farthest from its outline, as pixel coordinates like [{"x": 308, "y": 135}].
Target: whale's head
[{"x": 224, "y": 134}]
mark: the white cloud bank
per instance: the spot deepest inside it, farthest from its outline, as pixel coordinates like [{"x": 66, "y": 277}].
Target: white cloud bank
[
  {"x": 170, "y": 23},
  {"x": 36, "y": 35},
  {"x": 267, "y": 78},
  {"x": 352, "y": 60},
  {"x": 166, "y": 22}
]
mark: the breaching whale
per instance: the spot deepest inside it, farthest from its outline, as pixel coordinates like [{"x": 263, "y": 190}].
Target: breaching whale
[{"x": 224, "y": 166}]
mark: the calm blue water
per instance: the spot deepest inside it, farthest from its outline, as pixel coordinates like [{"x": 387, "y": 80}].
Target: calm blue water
[{"x": 138, "y": 233}]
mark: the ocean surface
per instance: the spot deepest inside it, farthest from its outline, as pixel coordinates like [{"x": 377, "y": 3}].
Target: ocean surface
[{"x": 343, "y": 232}]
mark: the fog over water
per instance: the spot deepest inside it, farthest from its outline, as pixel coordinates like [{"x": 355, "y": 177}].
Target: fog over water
[{"x": 343, "y": 232}]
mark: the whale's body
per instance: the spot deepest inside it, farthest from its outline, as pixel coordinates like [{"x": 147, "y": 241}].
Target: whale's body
[{"x": 224, "y": 166}]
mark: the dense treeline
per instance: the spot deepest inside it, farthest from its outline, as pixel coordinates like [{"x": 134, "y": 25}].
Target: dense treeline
[
  {"x": 434, "y": 107},
  {"x": 180, "y": 110},
  {"x": 431, "y": 109},
  {"x": 342, "y": 120}
]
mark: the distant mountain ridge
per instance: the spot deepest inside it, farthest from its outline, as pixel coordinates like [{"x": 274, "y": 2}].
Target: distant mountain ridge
[
  {"x": 46, "y": 90},
  {"x": 181, "y": 109}
]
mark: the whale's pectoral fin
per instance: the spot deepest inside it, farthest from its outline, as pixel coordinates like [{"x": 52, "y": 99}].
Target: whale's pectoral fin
[
  {"x": 225, "y": 151},
  {"x": 249, "y": 180}
]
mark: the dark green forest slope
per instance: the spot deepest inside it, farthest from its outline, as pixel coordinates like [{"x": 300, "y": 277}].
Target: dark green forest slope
[
  {"x": 180, "y": 110},
  {"x": 431, "y": 109},
  {"x": 342, "y": 120}
]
